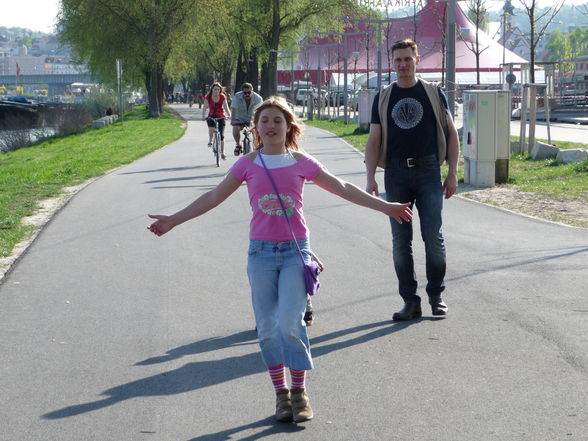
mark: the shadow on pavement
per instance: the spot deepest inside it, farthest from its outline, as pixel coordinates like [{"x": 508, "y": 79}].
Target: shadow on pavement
[
  {"x": 169, "y": 169},
  {"x": 186, "y": 178},
  {"x": 512, "y": 260},
  {"x": 268, "y": 425},
  {"x": 202, "y": 346},
  {"x": 196, "y": 375}
]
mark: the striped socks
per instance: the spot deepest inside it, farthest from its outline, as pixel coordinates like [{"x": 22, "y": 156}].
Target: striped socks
[
  {"x": 298, "y": 378},
  {"x": 278, "y": 376}
]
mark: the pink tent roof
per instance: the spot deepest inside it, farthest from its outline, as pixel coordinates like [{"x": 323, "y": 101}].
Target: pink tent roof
[{"x": 427, "y": 29}]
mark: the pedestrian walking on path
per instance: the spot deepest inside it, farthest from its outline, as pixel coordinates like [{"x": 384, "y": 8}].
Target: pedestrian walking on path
[
  {"x": 411, "y": 135},
  {"x": 274, "y": 269}
]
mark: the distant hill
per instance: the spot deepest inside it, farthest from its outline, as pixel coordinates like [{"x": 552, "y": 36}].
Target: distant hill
[{"x": 16, "y": 32}]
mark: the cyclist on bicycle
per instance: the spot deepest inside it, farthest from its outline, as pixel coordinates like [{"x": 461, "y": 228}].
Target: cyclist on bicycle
[
  {"x": 242, "y": 107},
  {"x": 216, "y": 102}
]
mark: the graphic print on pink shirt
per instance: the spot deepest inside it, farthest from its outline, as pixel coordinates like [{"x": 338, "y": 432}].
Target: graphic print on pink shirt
[
  {"x": 270, "y": 205},
  {"x": 266, "y": 222}
]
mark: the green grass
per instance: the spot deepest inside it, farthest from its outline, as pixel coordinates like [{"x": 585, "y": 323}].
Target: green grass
[
  {"x": 349, "y": 132},
  {"x": 549, "y": 177},
  {"x": 31, "y": 174},
  {"x": 545, "y": 177}
]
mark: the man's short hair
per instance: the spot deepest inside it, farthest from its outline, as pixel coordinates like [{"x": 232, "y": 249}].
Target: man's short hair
[
  {"x": 404, "y": 44},
  {"x": 246, "y": 86}
]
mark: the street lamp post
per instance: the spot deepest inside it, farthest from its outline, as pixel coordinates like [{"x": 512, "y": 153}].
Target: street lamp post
[{"x": 345, "y": 98}]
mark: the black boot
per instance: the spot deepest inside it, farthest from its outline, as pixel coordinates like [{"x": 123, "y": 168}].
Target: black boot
[
  {"x": 409, "y": 312},
  {"x": 309, "y": 314},
  {"x": 438, "y": 306}
]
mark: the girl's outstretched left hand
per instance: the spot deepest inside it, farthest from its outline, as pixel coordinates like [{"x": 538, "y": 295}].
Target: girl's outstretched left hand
[
  {"x": 162, "y": 225},
  {"x": 399, "y": 212}
]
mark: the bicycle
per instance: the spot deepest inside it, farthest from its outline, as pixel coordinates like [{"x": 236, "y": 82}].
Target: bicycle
[
  {"x": 244, "y": 129},
  {"x": 246, "y": 138},
  {"x": 216, "y": 141}
]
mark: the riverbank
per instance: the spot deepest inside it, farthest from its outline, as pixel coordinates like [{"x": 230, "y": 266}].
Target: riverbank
[{"x": 53, "y": 169}]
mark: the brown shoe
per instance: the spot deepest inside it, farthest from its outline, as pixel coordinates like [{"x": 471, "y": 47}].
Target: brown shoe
[
  {"x": 283, "y": 406},
  {"x": 301, "y": 405}
]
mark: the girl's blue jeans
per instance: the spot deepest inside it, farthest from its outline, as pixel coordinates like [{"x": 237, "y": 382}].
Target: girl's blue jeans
[
  {"x": 278, "y": 294},
  {"x": 422, "y": 186}
]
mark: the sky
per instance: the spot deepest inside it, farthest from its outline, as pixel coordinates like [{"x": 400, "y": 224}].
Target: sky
[{"x": 39, "y": 15}]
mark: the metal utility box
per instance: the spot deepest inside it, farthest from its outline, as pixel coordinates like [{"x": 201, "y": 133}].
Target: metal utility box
[{"x": 486, "y": 136}]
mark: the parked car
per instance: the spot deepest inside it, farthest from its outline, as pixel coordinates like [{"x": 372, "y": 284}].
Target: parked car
[
  {"x": 337, "y": 98},
  {"x": 302, "y": 94}
]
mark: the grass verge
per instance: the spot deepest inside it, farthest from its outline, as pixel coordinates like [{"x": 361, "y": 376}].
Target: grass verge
[
  {"x": 32, "y": 174},
  {"x": 566, "y": 145}
]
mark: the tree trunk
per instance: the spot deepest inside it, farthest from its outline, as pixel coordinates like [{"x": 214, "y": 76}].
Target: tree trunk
[
  {"x": 241, "y": 71},
  {"x": 274, "y": 43},
  {"x": 160, "y": 91},
  {"x": 264, "y": 80},
  {"x": 253, "y": 70},
  {"x": 147, "y": 80},
  {"x": 225, "y": 74},
  {"x": 153, "y": 95},
  {"x": 532, "y": 45},
  {"x": 272, "y": 68},
  {"x": 477, "y": 55}
]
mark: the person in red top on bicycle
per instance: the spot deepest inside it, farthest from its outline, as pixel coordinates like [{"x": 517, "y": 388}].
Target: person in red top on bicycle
[{"x": 216, "y": 103}]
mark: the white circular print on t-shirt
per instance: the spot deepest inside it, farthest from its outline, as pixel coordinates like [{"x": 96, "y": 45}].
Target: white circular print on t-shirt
[{"x": 407, "y": 113}]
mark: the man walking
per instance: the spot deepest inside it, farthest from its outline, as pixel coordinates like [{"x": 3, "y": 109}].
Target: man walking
[
  {"x": 411, "y": 134},
  {"x": 242, "y": 107}
]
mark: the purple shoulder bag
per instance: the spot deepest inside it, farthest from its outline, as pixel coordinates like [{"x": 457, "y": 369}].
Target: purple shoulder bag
[{"x": 311, "y": 270}]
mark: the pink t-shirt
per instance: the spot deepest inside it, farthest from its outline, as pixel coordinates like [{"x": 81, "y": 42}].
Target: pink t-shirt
[{"x": 268, "y": 222}]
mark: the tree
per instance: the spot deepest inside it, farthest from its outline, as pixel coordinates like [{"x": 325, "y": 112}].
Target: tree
[
  {"x": 560, "y": 50},
  {"x": 27, "y": 40},
  {"x": 565, "y": 46},
  {"x": 280, "y": 22},
  {"x": 477, "y": 13},
  {"x": 579, "y": 41},
  {"x": 442, "y": 20},
  {"x": 142, "y": 33},
  {"x": 539, "y": 20}
]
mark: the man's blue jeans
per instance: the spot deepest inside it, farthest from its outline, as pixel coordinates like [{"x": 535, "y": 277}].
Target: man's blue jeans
[{"x": 422, "y": 186}]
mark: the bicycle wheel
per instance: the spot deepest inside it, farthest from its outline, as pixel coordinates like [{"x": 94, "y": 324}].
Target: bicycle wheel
[{"x": 216, "y": 148}]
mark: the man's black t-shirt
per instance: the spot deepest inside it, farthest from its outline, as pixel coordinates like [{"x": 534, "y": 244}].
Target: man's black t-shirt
[{"x": 412, "y": 127}]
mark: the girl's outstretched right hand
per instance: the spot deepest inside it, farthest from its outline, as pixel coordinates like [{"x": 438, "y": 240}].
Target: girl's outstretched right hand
[
  {"x": 162, "y": 225},
  {"x": 400, "y": 212}
]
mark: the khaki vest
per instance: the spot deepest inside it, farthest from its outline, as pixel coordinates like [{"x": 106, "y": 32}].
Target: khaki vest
[{"x": 438, "y": 110}]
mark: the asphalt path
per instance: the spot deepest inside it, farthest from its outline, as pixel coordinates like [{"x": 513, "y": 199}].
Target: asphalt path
[
  {"x": 559, "y": 131},
  {"x": 110, "y": 333}
]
